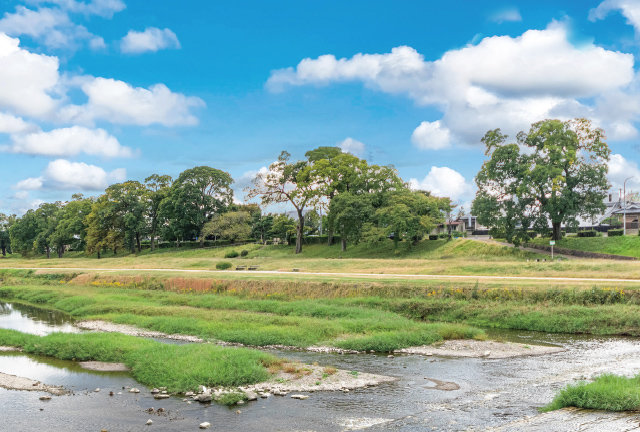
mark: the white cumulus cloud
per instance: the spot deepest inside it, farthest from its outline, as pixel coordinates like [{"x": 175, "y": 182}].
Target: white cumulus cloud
[
  {"x": 443, "y": 182},
  {"x": 66, "y": 175},
  {"x": 69, "y": 141},
  {"x": 27, "y": 80},
  {"x": 103, "y": 8},
  {"x": 431, "y": 135},
  {"x": 350, "y": 145},
  {"x": 119, "y": 102},
  {"x": 151, "y": 39},
  {"x": 503, "y": 81},
  {"x": 630, "y": 9},
  {"x": 11, "y": 124},
  {"x": 620, "y": 169}
]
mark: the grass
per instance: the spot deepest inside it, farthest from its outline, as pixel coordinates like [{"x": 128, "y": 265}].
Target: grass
[
  {"x": 619, "y": 245},
  {"x": 255, "y": 322},
  {"x": 180, "y": 368},
  {"x": 607, "y": 392}
]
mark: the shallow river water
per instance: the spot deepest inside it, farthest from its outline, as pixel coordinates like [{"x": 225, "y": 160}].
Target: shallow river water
[{"x": 492, "y": 393}]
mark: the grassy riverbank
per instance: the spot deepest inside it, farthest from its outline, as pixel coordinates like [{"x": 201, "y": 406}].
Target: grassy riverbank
[
  {"x": 618, "y": 245},
  {"x": 180, "y": 368},
  {"x": 607, "y": 392}
]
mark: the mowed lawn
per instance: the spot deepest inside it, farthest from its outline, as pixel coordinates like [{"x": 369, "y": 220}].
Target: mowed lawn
[{"x": 619, "y": 245}]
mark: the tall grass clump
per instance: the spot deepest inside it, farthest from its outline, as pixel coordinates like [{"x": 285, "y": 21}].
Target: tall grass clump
[
  {"x": 180, "y": 368},
  {"x": 608, "y": 392}
]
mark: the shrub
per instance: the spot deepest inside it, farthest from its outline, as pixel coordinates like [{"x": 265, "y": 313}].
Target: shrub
[
  {"x": 433, "y": 237},
  {"x": 443, "y": 235},
  {"x": 231, "y": 254},
  {"x": 615, "y": 232},
  {"x": 223, "y": 265},
  {"x": 590, "y": 233},
  {"x": 244, "y": 253}
]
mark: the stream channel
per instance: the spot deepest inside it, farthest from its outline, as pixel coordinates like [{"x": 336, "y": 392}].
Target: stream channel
[{"x": 493, "y": 394}]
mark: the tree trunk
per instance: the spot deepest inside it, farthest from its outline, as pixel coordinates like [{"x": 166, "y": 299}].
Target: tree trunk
[
  {"x": 299, "y": 232},
  {"x": 201, "y": 240},
  {"x": 344, "y": 243},
  {"x": 329, "y": 235},
  {"x": 48, "y": 252},
  {"x": 557, "y": 231},
  {"x": 98, "y": 253},
  {"x": 60, "y": 251},
  {"x": 138, "y": 242},
  {"x": 153, "y": 240},
  {"x": 4, "y": 250}
]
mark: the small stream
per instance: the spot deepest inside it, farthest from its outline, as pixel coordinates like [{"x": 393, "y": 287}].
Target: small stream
[{"x": 492, "y": 392}]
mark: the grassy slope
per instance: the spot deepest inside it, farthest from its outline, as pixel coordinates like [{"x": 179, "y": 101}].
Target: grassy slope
[{"x": 620, "y": 245}]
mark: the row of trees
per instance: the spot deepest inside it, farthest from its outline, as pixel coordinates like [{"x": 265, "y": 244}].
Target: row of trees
[{"x": 360, "y": 202}]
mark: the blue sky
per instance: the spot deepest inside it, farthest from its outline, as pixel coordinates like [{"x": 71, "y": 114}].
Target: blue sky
[{"x": 98, "y": 91}]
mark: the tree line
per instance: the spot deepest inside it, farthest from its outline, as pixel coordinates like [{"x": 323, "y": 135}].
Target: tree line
[{"x": 329, "y": 189}]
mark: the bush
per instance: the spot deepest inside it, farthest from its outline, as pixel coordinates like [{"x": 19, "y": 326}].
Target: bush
[
  {"x": 231, "y": 254},
  {"x": 223, "y": 265},
  {"x": 443, "y": 235},
  {"x": 244, "y": 253},
  {"x": 615, "y": 232},
  {"x": 590, "y": 233},
  {"x": 433, "y": 237}
]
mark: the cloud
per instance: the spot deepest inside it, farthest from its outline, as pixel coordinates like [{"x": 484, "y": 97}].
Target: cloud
[
  {"x": 27, "y": 80},
  {"x": 506, "y": 15},
  {"x": 66, "y": 175},
  {"x": 620, "y": 169},
  {"x": 431, "y": 135},
  {"x": 119, "y": 102},
  {"x": 503, "y": 81},
  {"x": 11, "y": 124},
  {"x": 444, "y": 182},
  {"x": 630, "y": 9},
  {"x": 103, "y": 8},
  {"x": 151, "y": 39},
  {"x": 350, "y": 145},
  {"x": 49, "y": 26},
  {"x": 69, "y": 141}
]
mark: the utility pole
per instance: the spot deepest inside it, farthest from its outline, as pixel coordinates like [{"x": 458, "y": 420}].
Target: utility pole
[{"x": 624, "y": 211}]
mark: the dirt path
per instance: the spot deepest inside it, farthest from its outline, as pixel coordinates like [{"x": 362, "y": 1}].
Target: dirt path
[{"x": 301, "y": 275}]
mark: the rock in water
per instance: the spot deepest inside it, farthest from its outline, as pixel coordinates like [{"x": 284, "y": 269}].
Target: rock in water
[
  {"x": 299, "y": 396},
  {"x": 154, "y": 391},
  {"x": 251, "y": 396},
  {"x": 45, "y": 398},
  {"x": 149, "y": 422},
  {"x": 134, "y": 390},
  {"x": 205, "y": 425},
  {"x": 161, "y": 396}
]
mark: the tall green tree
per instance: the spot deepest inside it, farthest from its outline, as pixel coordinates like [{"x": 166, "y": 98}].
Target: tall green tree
[
  {"x": 157, "y": 189},
  {"x": 555, "y": 173},
  {"x": 71, "y": 229},
  {"x": 23, "y": 232},
  {"x": 196, "y": 195},
  {"x": 287, "y": 182},
  {"x": 283, "y": 227},
  {"x": 5, "y": 241},
  {"x": 231, "y": 226},
  {"x": 47, "y": 218},
  {"x": 349, "y": 213}
]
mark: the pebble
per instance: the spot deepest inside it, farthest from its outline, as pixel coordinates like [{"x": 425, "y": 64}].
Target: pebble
[
  {"x": 299, "y": 396},
  {"x": 390, "y": 356},
  {"x": 154, "y": 391},
  {"x": 238, "y": 412},
  {"x": 97, "y": 390},
  {"x": 45, "y": 398},
  {"x": 240, "y": 402},
  {"x": 189, "y": 393},
  {"x": 161, "y": 396},
  {"x": 251, "y": 396},
  {"x": 110, "y": 393},
  {"x": 134, "y": 390},
  {"x": 149, "y": 422},
  {"x": 205, "y": 425}
]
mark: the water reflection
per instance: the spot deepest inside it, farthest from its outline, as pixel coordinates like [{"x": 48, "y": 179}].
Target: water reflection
[{"x": 36, "y": 321}]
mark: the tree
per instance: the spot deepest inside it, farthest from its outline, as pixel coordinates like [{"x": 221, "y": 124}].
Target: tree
[
  {"x": 349, "y": 212},
  {"x": 554, "y": 174},
  {"x": 157, "y": 189},
  {"x": 261, "y": 226},
  {"x": 229, "y": 226},
  {"x": 196, "y": 195},
  {"x": 47, "y": 217},
  {"x": 5, "y": 240},
  {"x": 71, "y": 229},
  {"x": 104, "y": 228},
  {"x": 411, "y": 214},
  {"x": 287, "y": 182},
  {"x": 283, "y": 227},
  {"x": 22, "y": 233},
  {"x": 129, "y": 211}
]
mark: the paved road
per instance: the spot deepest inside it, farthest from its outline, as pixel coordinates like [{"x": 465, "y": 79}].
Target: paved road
[{"x": 337, "y": 275}]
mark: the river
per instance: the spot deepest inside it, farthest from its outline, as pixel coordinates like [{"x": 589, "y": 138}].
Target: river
[{"x": 491, "y": 393}]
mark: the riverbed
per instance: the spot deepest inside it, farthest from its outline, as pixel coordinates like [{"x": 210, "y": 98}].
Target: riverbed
[{"x": 431, "y": 392}]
